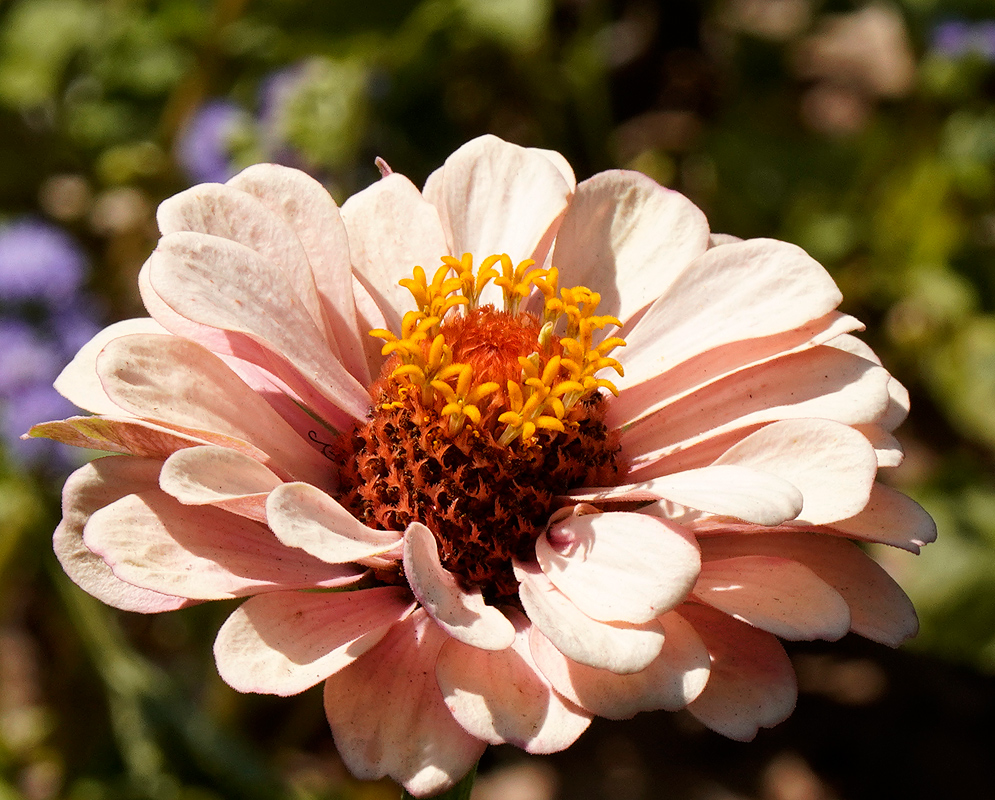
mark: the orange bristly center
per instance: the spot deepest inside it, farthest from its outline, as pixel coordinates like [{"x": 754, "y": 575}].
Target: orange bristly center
[{"x": 483, "y": 416}]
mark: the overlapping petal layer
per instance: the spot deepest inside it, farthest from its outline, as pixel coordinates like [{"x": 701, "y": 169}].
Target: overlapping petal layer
[
  {"x": 504, "y": 697},
  {"x": 619, "y": 567},
  {"x": 285, "y": 642},
  {"x": 671, "y": 681},
  {"x": 414, "y": 737},
  {"x": 462, "y": 614}
]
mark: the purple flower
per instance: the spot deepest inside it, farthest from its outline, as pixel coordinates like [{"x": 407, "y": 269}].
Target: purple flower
[
  {"x": 28, "y": 365},
  {"x": 25, "y": 358},
  {"x": 31, "y": 405},
  {"x": 956, "y": 38},
  {"x": 44, "y": 318},
  {"x": 984, "y": 39},
  {"x": 952, "y": 37},
  {"x": 203, "y": 149},
  {"x": 75, "y": 326},
  {"x": 275, "y": 90},
  {"x": 39, "y": 261}
]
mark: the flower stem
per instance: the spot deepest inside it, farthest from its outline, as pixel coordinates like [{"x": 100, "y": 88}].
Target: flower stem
[{"x": 461, "y": 791}]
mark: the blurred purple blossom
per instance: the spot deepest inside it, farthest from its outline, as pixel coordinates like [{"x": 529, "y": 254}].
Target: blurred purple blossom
[
  {"x": 25, "y": 358},
  {"x": 314, "y": 94},
  {"x": 951, "y": 37},
  {"x": 274, "y": 91},
  {"x": 203, "y": 149},
  {"x": 26, "y": 407},
  {"x": 956, "y": 38},
  {"x": 45, "y": 317},
  {"x": 41, "y": 262},
  {"x": 984, "y": 39},
  {"x": 29, "y": 363},
  {"x": 75, "y": 326}
]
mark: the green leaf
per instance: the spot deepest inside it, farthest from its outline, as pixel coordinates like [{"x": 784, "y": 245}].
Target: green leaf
[{"x": 38, "y": 40}]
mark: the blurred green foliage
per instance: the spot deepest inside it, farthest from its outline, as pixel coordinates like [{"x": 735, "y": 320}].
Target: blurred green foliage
[{"x": 875, "y": 154}]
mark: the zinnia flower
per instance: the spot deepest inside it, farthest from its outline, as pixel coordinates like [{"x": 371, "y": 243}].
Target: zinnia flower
[{"x": 489, "y": 458}]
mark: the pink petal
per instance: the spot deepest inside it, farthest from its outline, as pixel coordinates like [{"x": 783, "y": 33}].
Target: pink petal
[
  {"x": 849, "y": 343},
  {"x": 246, "y": 357},
  {"x": 413, "y": 737},
  {"x": 740, "y": 492},
  {"x": 733, "y": 491},
  {"x": 311, "y": 212},
  {"x": 392, "y": 228},
  {"x": 79, "y": 383},
  {"x": 558, "y": 161},
  {"x": 224, "y": 211},
  {"x": 280, "y": 397},
  {"x": 305, "y": 517},
  {"x": 619, "y": 647},
  {"x": 371, "y": 317},
  {"x": 671, "y": 681},
  {"x": 887, "y": 449},
  {"x": 732, "y": 293},
  {"x": 502, "y": 198},
  {"x": 91, "y": 487},
  {"x": 831, "y": 464},
  {"x": 285, "y": 642},
  {"x": 898, "y": 396},
  {"x": 898, "y": 407},
  {"x": 675, "y": 381},
  {"x": 180, "y": 383},
  {"x": 699, "y": 455},
  {"x": 821, "y": 382},
  {"x": 204, "y": 475},
  {"x": 220, "y": 477},
  {"x": 628, "y": 238},
  {"x": 751, "y": 685},
  {"x": 218, "y": 341},
  {"x": 774, "y": 594},
  {"x": 619, "y": 566},
  {"x": 134, "y": 436},
  {"x": 462, "y": 614},
  {"x": 890, "y": 518},
  {"x": 225, "y": 285},
  {"x": 434, "y": 192},
  {"x": 502, "y": 697},
  {"x": 200, "y": 552},
  {"x": 879, "y": 609}
]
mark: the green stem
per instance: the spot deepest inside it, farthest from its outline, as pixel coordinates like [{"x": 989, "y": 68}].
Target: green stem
[{"x": 461, "y": 791}]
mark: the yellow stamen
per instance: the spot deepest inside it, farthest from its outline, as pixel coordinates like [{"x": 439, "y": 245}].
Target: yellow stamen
[{"x": 561, "y": 371}]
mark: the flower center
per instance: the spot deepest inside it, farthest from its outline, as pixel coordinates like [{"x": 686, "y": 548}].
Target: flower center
[{"x": 482, "y": 417}]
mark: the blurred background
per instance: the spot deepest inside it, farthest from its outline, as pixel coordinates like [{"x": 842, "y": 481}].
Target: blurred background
[{"x": 863, "y": 132}]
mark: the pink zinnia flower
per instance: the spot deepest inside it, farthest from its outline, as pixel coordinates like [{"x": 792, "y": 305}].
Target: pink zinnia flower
[{"x": 593, "y": 460}]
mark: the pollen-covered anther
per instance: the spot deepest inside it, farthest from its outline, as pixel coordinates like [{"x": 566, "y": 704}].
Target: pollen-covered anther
[
  {"x": 461, "y": 402},
  {"x": 516, "y": 281},
  {"x": 472, "y": 285},
  {"x": 529, "y": 402},
  {"x": 556, "y": 374},
  {"x": 415, "y": 329},
  {"x": 437, "y": 298},
  {"x": 420, "y": 365}
]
